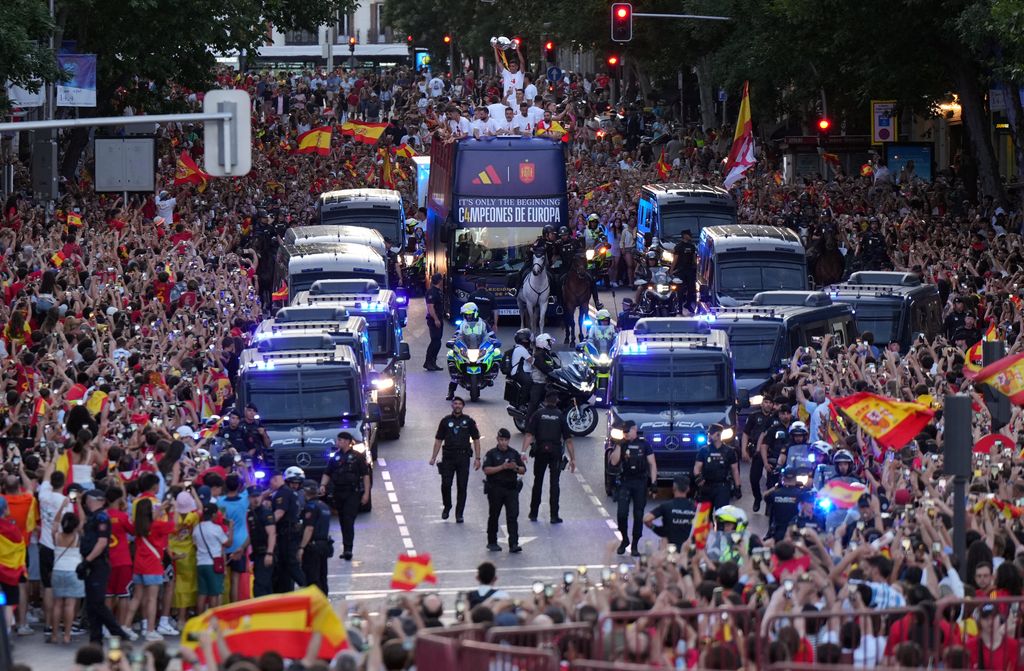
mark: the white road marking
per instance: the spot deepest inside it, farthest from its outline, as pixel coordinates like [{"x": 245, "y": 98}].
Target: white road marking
[
  {"x": 389, "y": 486},
  {"x": 523, "y": 540},
  {"x": 407, "y": 542},
  {"x": 403, "y": 530},
  {"x": 392, "y": 497},
  {"x": 400, "y": 519},
  {"x": 385, "y": 475},
  {"x": 612, "y": 524},
  {"x": 469, "y": 571}
]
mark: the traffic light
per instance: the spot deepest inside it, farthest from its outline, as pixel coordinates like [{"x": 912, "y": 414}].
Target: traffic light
[
  {"x": 622, "y": 21},
  {"x": 549, "y": 51},
  {"x": 408, "y": 38},
  {"x": 352, "y": 45},
  {"x": 824, "y": 125},
  {"x": 447, "y": 39},
  {"x": 613, "y": 62}
]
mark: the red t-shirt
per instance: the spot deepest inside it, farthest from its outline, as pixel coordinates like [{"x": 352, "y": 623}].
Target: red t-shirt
[
  {"x": 901, "y": 629},
  {"x": 1004, "y": 658},
  {"x": 215, "y": 469},
  {"x": 150, "y": 561},
  {"x": 120, "y": 527}
]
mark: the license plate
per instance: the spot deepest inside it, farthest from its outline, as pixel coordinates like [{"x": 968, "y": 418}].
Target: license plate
[{"x": 507, "y": 312}]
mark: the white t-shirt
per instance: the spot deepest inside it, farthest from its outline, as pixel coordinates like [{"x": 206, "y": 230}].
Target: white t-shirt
[
  {"x": 496, "y": 111},
  {"x": 481, "y": 127},
  {"x": 165, "y": 208},
  {"x": 536, "y": 115},
  {"x": 506, "y": 126},
  {"x": 529, "y": 92},
  {"x": 870, "y": 652},
  {"x": 509, "y": 80},
  {"x": 462, "y": 126},
  {"x": 49, "y": 503},
  {"x": 436, "y": 86},
  {"x": 209, "y": 538},
  {"x": 522, "y": 123}
]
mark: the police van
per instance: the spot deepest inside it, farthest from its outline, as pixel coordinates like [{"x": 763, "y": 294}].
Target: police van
[
  {"x": 300, "y": 265},
  {"x": 892, "y": 306},
  {"x": 385, "y": 315},
  {"x": 736, "y": 262},
  {"x": 674, "y": 377},
  {"x": 343, "y": 329},
  {"x": 666, "y": 210},
  {"x": 357, "y": 235},
  {"x": 379, "y": 209},
  {"x": 305, "y": 396},
  {"x": 764, "y": 335}
]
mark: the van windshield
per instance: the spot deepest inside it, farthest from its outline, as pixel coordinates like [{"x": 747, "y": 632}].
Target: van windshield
[
  {"x": 882, "y": 319},
  {"x": 387, "y": 224},
  {"x": 743, "y": 279},
  {"x": 303, "y": 281},
  {"x": 666, "y": 379},
  {"x": 753, "y": 347},
  {"x": 675, "y": 220},
  {"x": 297, "y": 395},
  {"x": 379, "y": 341}
]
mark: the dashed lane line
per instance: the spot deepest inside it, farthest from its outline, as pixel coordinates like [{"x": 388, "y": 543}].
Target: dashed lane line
[
  {"x": 389, "y": 486},
  {"x": 587, "y": 489}
]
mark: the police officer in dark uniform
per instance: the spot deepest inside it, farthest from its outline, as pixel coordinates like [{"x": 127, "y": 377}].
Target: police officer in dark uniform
[
  {"x": 263, "y": 539},
  {"x": 806, "y": 516},
  {"x": 755, "y": 425},
  {"x": 676, "y": 514},
  {"x": 484, "y": 303},
  {"x": 684, "y": 266},
  {"x": 774, "y": 439},
  {"x": 565, "y": 251},
  {"x": 549, "y": 434},
  {"x": 286, "y": 505},
  {"x": 503, "y": 466},
  {"x": 348, "y": 476},
  {"x": 460, "y": 437},
  {"x": 256, "y": 436},
  {"x": 96, "y": 559},
  {"x": 234, "y": 434},
  {"x": 782, "y": 504},
  {"x": 316, "y": 545},
  {"x": 637, "y": 472},
  {"x": 435, "y": 321},
  {"x": 714, "y": 464},
  {"x": 546, "y": 242}
]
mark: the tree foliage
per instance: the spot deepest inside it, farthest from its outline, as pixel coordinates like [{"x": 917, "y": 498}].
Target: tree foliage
[{"x": 25, "y": 30}]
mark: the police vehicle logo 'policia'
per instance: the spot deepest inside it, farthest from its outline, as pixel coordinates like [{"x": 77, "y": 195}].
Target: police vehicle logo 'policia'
[
  {"x": 671, "y": 442},
  {"x": 303, "y": 459}
]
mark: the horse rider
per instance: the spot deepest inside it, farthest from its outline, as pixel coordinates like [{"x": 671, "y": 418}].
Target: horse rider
[
  {"x": 471, "y": 325},
  {"x": 603, "y": 331}
]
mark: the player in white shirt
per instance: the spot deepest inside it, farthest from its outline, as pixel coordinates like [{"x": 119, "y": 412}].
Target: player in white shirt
[
  {"x": 530, "y": 89},
  {"x": 495, "y": 108},
  {"x": 536, "y": 112},
  {"x": 521, "y": 121},
  {"x": 506, "y": 126},
  {"x": 483, "y": 125},
  {"x": 512, "y": 76},
  {"x": 458, "y": 124}
]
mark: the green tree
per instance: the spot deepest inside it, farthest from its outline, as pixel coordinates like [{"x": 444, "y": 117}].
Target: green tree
[{"x": 25, "y": 56}]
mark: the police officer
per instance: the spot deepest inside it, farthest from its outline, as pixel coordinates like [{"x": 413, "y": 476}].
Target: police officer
[
  {"x": 484, "y": 302},
  {"x": 348, "y": 476},
  {"x": 544, "y": 363},
  {"x": 456, "y": 432},
  {"x": 548, "y": 432},
  {"x": 782, "y": 504},
  {"x": 435, "y": 323},
  {"x": 806, "y": 516},
  {"x": 603, "y": 331},
  {"x": 714, "y": 464},
  {"x": 522, "y": 365},
  {"x": 234, "y": 434},
  {"x": 676, "y": 514},
  {"x": 96, "y": 558},
  {"x": 263, "y": 538},
  {"x": 503, "y": 466},
  {"x": 684, "y": 266},
  {"x": 472, "y": 326},
  {"x": 256, "y": 436},
  {"x": 637, "y": 472},
  {"x": 755, "y": 425},
  {"x": 316, "y": 546},
  {"x": 285, "y": 503},
  {"x": 774, "y": 439}
]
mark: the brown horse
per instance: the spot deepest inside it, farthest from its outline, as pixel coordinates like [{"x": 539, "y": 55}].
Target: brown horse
[
  {"x": 577, "y": 287},
  {"x": 826, "y": 261}
]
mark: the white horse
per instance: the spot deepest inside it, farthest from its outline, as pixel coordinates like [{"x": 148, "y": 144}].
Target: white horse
[{"x": 533, "y": 295}]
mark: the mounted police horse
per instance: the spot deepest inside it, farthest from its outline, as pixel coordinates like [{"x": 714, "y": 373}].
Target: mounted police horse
[
  {"x": 534, "y": 293},
  {"x": 577, "y": 287},
  {"x": 824, "y": 258}
]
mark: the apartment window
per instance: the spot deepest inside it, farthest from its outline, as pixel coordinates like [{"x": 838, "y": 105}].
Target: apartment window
[
  {"x": 378, "y": 10},
  {"x": 301, "y": 37},
  {"x": 344, "y": 23}
]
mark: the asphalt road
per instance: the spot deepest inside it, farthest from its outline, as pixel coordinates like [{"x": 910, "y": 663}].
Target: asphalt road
[{"x": 406, "y": 514}]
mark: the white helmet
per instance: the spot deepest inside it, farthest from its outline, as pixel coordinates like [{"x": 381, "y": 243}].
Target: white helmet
[
  {"x": 544, "y": 341},
  {"x": 294, "y": 473},
  {"x": 797, "y": 426},
  {"x": 822, "y": 446}
]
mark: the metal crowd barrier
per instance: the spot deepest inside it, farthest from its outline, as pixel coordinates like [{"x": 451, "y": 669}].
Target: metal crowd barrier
[
  {"x": 571, "y": 638},
  {"x": 438, "y": 648},
  {"x": 474, "y": 656},
  {"x": 977, "y": 630}
]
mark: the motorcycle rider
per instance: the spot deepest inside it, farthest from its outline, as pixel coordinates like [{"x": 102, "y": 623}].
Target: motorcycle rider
[
  {"x": 471, "y": 325},
  {"x": 730, "y": 535},
  {"x": 593, "y": 234},
  {"x": 603, "y": 331},
  {"x": 782, "y": 504},
  {"x": 544, "y": 363},
  {"x": 522, "y": 365},
  {"x": 798, "y": 435},
  {"x": 484, "y": 302},
  {"x": 843, "y": 466},
  {"x": 684, "y": 267},
  {"x": 714, "y": 464},
  {"x": 643, "y": 274}
]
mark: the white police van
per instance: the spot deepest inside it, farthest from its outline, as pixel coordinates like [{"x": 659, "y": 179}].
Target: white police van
[{"x": 301, "y": 265}]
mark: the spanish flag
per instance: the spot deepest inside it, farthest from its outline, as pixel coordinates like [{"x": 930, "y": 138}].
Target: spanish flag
[
  {"x": 366, "y": 133},
  {"x": 973, "y": 359},
  {"x": 663, "y": 167},
  {"x": 281, "y": 294},
  {"x": 553, "y": 127},
  {"x": 832, "y": 160},
  {"x": 280, "y": 623},
  {"x": 891, "y": 423},
  {"x": 187, "y": 172},
  {"x": 74, "y": 219},
  {"x": 405, "y": 151},
  {"x": 12, "y": 552},
  {"x": 411, "y": 571},
  {"x": 315, "y": 141},
  {"x": 702, "y": 525},
  {"x": 843, "y": 493},
  {"x": 211, "y": 429},
  {"x": 58, "y": 259},
  {"x": 1005, "y": 376},
  {"x": 741, "y": 155},
  {"x": 387, "y": 173},
  {"x": 97, "y": 399},
  {"x": 40, "y": 408}
]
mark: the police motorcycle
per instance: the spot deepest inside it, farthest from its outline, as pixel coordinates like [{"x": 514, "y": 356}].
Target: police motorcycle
[
  {"x": 474, "y": 355},
  {"x": 599, "y": 251},
  {"x": 597, "y": 351},
  {"x": 574, "y": 383},
  {"x": 658, "y": 299}
]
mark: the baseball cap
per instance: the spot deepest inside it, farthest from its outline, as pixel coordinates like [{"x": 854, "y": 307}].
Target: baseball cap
[{"x": 96, "y": 494}]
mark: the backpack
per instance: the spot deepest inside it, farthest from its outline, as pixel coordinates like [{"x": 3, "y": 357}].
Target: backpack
[
  {"x": 474, "y": 598},
  {"x": 505, "y": 365}
]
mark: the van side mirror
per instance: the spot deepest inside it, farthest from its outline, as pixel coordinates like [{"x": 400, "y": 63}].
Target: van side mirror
[
  {"x": 743, "y": 398},
  {"x": 403, "y": 351},
  {"x": 372, "y": 413}
]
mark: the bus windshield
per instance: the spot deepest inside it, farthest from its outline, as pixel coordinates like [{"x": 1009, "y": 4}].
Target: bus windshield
[
  {"x": 302, "y": 395},
  {"x": 493, "y": 248},
  {"x": 675, "y": 220},
  {"x": 672, "y": 379}
]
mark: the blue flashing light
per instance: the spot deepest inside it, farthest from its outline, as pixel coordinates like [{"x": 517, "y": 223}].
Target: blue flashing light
[
  {"x": 825, "y": 504},
  {"x": 3, "y": 598},
  {"x": 811, "y": 458},
  {"x": 259, "y": 475},
  {"x": 458, "y": 322},
  {"x": 401, "y": 300},
  {"x": 702, "y": 439},
  {"x": 588, "y": 323},
  {"x": 634, "y": 348},
  {"x": 708, "y": 317}
]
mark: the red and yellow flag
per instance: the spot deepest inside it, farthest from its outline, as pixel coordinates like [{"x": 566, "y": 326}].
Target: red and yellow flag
[
  {"x": 281, "y": 294},
  {"x": 315, "y": 141},
  {"x": 97, "y": 399},
  {"x": 1005, "y": 376},
  {"x": 58, "y": 259},
  {"x": 187, "y": 172},
  {"x": 366, "y": 133},
  {"x": 844, "y": 494},
  {"x": 741, "y": 155},
  {"x": 411, "y": 571},
  {"x": 74, "y": 219},
  {"x": 702, "y": 525},
  {"x": 405, "y": 151},
  {"x": 387, "y": 173},
  {"x": 973, "y": 359},
  {"x": 832, "y": 160},
  {"x": 282, "y": 623},
  {"x": 12, "y": 552},
  {"x": 891, "y": 423},
  {"x": 663, "y": 167}
]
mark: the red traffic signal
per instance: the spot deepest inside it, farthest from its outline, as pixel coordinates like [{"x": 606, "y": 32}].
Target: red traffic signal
[
  {"x": 447, "y": 39},
  {"x": 549, "y": 46},
  {"x": 824, "y": 124},
  {"x": 622, "y": 21},
  {"x": 613, "y": 61},
  {"x": 352, "y": 41},
  {"x": 408, "y": 38}
]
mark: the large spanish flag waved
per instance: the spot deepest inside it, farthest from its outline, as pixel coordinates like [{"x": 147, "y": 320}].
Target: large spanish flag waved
[
  {"x": 891, "y": 423},
  {"x": 281, "y": 623},
  {"x": 702, "y": 525},
  {"x": 1005, "y": 376},
  {"x": 367, "y": 133},
  {"x": 187, "y": 172},
  {"x": 741, "y": 155},
  {"x": 12, "y": 552},
  {"x": 843, "y": 493},
  {"x": 973, "y": 359},
  {"x": 315, "y": 141},
  {"x": 410, "y": 571}
]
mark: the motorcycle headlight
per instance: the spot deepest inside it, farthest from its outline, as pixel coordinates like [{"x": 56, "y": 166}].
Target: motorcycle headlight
[
  {"x": 662, "y": 288},
  {"x": 616, "y": 434},
  {"x": 408, "y": 259},
  {"x": 587, "y": 386},
  {"x": 667, "y": 256},
  {"x": 383, "y": 383},
  {"x": 472, "y": 355},
  {"x": 727, "y": 433},
  {"x": 604, "y": 359},
  {"x": 360, "y": 448},
  {"x": 590, "y": 255}
]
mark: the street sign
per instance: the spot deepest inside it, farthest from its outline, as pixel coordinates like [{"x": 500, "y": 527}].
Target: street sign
[
  {"x": 722, "y": 95},
  {"x": 554, "y": 74},
  {"x": 227, "y": 142},
  {"x": 883, "y": 121}
]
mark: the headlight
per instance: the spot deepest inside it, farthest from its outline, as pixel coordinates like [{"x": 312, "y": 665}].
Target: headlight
[
  {"x": 604, "y": 360},
  {"x": 727, "y": 433},
  {"x": 667, "y": 256},
  {"x": 587, "y": 386},
  {"x": 590, "y": 255},
  {"x": 756, "y": 400},
  {"x": 383, "y": 383},
  {"x": 360, "y": 448},
  {"x": 408, "y": 259},
  {"x": 662, "y": 288},
  {"x": 472, "y": 355},
  {"x": 616, "y": 434}
]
